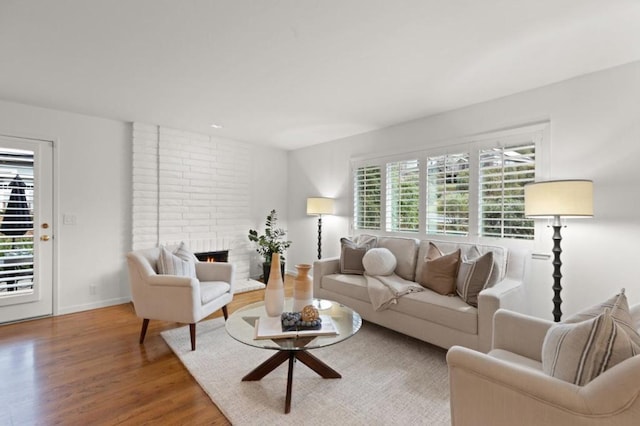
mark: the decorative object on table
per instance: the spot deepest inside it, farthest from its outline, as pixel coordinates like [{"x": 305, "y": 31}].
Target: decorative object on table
[
  {"x": 556, "y": 199},
  {"x": 302, "y": 288},
  {"x": 272, "y": 241},
  {"x": 290, "y": 326},
  {"x": 317, "y": 206},
  {"x": 308, "y": 319},
  {"x": 274, "y": 293}
]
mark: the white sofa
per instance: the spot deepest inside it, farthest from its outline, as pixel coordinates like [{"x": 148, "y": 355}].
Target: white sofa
[
  {"x": 508, "y": 387},
  {"x": 426, "y": 315}
]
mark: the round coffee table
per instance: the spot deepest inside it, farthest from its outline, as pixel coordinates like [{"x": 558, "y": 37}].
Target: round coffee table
[{"x": 241, "y": 326}]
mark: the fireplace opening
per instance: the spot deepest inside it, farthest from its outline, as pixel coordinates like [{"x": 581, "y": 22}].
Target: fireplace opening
[{"x": 213, "y": 256}]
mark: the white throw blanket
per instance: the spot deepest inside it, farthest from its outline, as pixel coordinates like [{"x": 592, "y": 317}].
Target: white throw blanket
[{"x": 385, "y": 290}]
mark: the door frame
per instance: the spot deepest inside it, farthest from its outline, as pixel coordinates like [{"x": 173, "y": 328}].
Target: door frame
[{"x": 55, "y": 193}]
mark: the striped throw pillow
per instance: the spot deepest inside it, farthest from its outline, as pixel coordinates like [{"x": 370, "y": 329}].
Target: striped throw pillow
[
  {"x": 473, "y": 275},
  {"x": 578, "y": 352},
  {"x": 619, "y": 308},
  {"x": 178, "y": 263}
]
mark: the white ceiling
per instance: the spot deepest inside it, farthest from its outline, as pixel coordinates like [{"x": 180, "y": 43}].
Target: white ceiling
[{"x": 292, "y": 73}]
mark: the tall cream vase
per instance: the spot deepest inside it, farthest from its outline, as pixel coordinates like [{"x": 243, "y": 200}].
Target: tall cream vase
[
  {"x": 302, "y": 288},
  {"x": 274, "y": 294}
]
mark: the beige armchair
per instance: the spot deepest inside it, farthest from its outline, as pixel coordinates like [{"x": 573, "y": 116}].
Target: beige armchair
[
  {"x": 507, "y": 385},
  {"x": 175, "y": 298}
]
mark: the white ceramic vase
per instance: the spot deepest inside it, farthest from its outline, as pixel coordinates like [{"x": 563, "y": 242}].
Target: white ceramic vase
[{"x": 274, "y": 293}]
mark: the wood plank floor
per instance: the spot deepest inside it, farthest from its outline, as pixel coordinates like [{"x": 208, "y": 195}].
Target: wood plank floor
[{"x": 88, "y": 368}]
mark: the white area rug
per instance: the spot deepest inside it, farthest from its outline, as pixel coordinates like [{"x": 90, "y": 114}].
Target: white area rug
[
  {"x": 244, "y": 285},
  {"x": 387, "y": 379}
]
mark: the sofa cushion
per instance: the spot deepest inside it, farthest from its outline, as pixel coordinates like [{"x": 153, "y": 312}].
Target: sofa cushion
[
  {"x": 473, "y": 275},
  {"x": 439, "y": 270},
  {"x": 379, "y": 261},
  {"x": 210, "y": 290},
  {"x": 618, "y": 307},
  {"x": 353, "y": 286},
  {"x": 448, "y": 311},
  {"x": 500, "y": 256},
  {"x": 578, "y": 352},
  {"x": 405, "y": 250},
  {"x": 352, "y": 252}
]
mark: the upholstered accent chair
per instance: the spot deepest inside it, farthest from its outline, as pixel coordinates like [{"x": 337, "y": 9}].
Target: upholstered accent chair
[
  {"x": 507, "y": 386},
  {"x": 182, "y": 299}
]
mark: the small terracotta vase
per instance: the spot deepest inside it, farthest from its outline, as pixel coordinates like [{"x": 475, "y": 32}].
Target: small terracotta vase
[
  {"x": 302, "y": 288},
  {"x": 274, "y": 293}
]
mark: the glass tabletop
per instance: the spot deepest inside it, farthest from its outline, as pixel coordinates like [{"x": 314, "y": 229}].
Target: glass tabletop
[{"x": 240, "y": 326}]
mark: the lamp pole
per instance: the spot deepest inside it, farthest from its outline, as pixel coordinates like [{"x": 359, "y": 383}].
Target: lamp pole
[
  {"x": 557, "y": 265},
  {"x": 319, "y": 236}
]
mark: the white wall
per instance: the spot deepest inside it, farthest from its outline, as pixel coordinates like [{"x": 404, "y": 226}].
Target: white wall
[
  {"x": 94, "y": 158},
  {"x": 595, "y": 134},
  {"x": 93, "y": 171}
]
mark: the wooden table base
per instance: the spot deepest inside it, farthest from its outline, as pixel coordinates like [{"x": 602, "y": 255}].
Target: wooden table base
[{"x": 304, "y": 357}]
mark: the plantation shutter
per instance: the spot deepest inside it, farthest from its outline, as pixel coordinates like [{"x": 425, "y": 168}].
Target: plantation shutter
[
  {"x": 447, "y": 184},
  {"x": 403, "y": 196},
  {"x": 367, "y": 182},
  {"x": 16, "y": 221},
  {"x": 503, "y": 173}
]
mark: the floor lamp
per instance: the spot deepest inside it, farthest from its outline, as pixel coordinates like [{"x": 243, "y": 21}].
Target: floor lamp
[
  {"x": 317, "y": 206},
  {"x": 557, "y": 199}
]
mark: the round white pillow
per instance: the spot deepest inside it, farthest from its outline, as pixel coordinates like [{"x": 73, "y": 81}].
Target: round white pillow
[{"x": 379, "y": 261}]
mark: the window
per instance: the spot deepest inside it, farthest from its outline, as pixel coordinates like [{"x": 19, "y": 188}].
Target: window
[
  {"x": 403, "y": 196},
  {"x": 474, "y": 188},
  {"x": 503, "y": 174},
  {"x": 447, "y": 203},
  {"x": 367, "y": 185}
]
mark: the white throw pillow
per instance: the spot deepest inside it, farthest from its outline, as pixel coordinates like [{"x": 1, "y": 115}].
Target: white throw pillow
[{"x": 379, "y": 261}]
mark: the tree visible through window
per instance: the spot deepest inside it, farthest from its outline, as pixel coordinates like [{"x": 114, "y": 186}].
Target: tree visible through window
[
  {"x": 448, "y": 194},
  {"x": 503, "y": 174},
  {"x": 403, "y": 196},
  {"x": 477, "y": 190}
]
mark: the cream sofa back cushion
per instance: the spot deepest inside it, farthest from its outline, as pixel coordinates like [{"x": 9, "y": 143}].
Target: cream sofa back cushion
[
  {"x": 405, "y": 250},
  {"x": 499, "y": 256}
]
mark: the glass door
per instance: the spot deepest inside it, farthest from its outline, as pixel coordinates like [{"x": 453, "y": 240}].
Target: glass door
[{"x": 26, "y": 210}]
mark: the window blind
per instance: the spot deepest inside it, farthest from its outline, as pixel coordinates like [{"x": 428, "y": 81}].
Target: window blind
[
  {"x": 503, "y": 173},
  {"x": 367, "y": 185},
  {"x": 403, "y": 196},
  {"x": 447, "y": 185},
  {"x": 16, "y": 221}
]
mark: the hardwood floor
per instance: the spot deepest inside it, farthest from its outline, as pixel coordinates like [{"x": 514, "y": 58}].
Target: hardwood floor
[{"x": 88, "y": 368}]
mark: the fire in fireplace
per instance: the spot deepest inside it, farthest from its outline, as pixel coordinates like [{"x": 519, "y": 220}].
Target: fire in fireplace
[{"x": 213, "y": 256}]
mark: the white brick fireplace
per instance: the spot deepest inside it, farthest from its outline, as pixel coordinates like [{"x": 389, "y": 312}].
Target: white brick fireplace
[{"x": 192, "y": 188}]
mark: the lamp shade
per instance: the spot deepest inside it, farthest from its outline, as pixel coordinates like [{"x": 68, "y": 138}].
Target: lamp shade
[
  {"x": 319, "y": 206},
  {"x": 567, "y": 198}
]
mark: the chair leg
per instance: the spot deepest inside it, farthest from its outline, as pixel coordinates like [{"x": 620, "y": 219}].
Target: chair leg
[
  {"x": 225, "y": 312},
  {"x": 143, "y": 332},
  {"x": 192, "y": 332}
]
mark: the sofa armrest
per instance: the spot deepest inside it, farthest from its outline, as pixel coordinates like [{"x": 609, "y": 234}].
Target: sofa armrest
[
  {"x": 215, "y": 271},
  {"x": 171, "y": 281},
  {"x": 487, "y": 390},
  {"x": 507, "y": 294},
  {"x": 519, "y": 333},
  {"x": 324, "y": 267}
]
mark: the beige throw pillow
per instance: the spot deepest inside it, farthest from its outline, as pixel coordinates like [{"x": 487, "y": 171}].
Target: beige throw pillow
[
  {"x": 578, "y": 352},
  {"x": 473, "y": 275},
  {"x": 439, "y": 271},
  {"x": 618, "y": 307},
  {"x": 352, "y": 252}
]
